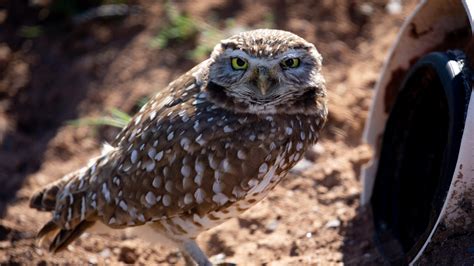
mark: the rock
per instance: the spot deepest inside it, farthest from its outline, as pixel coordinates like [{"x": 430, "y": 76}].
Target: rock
[
  {"x": 314, "y": 152},
  {"x": 394, "y": 7},
  {"x": 218, "y": 258},
  {"x": 128, "y": 255},
  {"x": 301, "y": 166},
  {"x": 294, "y": 250},
  {"x": 105, "y": 253},
  {"x": 271, "y": 226},
  {"x": 92, "y": 260},
  {"x": 333, "y": 223},
  {"x": 5, "y": 244}
]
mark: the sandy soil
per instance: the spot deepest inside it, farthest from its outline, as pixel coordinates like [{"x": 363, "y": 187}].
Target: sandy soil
[{"x": 70, "y": 72}]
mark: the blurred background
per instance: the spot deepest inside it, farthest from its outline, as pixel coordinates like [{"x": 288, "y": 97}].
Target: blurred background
[{"x": 73, "y": 71}]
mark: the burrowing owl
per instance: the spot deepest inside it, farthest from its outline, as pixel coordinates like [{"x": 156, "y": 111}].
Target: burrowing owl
[{"x": 202, "y": 151}]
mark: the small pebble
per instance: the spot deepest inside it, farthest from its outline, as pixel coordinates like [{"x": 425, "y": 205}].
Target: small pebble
[
  {"x": 367, "y": 9},
  {"x": 394, "y": 7},
  {"x": 271, "y": 226},
  {"x": 333, "y": 223},
  {"x": 128, "y": 255},
  {"x": 301, "y": 166},
  {"x": 218, "y": 258},
  {"x": 105, "y": 253},
  {"x": 309, "y": 235},
  {"x": 92, "y": 260},
  {"x": 5, "y": 244}
]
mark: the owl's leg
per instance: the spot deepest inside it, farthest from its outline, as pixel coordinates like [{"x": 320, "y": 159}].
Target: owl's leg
[{"x": 193, "y": 254}]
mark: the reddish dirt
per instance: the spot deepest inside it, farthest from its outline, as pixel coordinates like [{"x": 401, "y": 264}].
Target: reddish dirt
[{"x": 313, "y": 217}]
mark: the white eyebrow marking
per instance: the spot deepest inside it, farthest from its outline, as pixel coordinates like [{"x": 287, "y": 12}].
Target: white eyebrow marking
[{"x": 255, "y": 61}]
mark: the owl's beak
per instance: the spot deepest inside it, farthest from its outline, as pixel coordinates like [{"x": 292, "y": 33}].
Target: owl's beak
[{"x": 263, "y": 80}]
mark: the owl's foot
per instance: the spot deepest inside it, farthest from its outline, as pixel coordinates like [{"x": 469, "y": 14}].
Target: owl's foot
[{"x": 193, "y": 254}]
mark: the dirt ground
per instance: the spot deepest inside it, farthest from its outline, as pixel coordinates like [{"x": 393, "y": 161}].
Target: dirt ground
[{"x": 73, "y": 71}]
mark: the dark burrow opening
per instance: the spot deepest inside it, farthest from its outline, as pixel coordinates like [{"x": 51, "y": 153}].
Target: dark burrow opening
[{"x": 419, "y": 154}]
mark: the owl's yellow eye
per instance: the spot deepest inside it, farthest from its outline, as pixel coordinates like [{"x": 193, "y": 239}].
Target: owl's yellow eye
[
  {"x": 290, "y": 63},
  {"x": 239, "y": 63}
]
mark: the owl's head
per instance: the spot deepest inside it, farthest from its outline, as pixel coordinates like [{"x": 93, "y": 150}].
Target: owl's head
[{"x": 267, "y": 71}]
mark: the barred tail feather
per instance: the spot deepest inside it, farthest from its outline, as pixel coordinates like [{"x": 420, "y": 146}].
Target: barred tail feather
[
  {"x": 45, "y": 199},
  {"x": 74, "y": 203},
  {"x": 66, "y": 236},
  {"x": 57, "y": 238}
]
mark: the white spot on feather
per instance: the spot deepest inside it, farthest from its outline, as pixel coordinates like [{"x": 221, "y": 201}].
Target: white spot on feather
[
  {"x": 188, "y": 198},
  {"x": 159, "y": 156},
  {"x": 134, "y": 156},
  {"x": 123, "y": 205},
  {"x": 156, "y": 182},
  {"x": 199, "y": 195},
  {"x": 150, "y": 166},
  {"x": 186, "y": 170},
  {"x": 150, "y": 198},
  {"x": 166, "y": 200},
  {"x": 220, "y": 198},
  {"x": 241, "y": 155},
  {"x": 151, "y": 153},
  {"x": 106, "y": 192}
]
